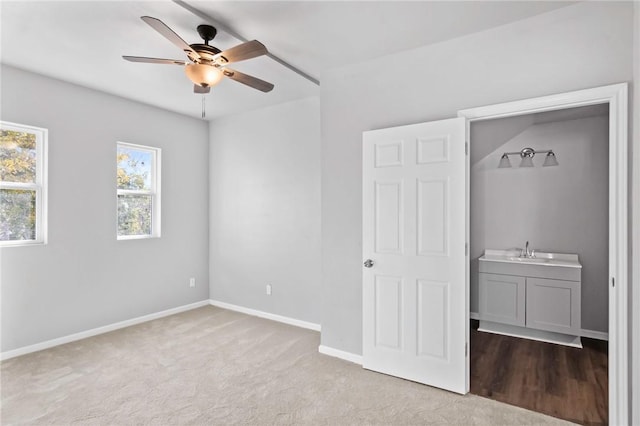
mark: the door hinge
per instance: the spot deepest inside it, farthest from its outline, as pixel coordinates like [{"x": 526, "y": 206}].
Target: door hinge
[
  {"x": 613, "y": 282},
  {"x": 466, "y": 349},
  {"x": 466, "y": 249},
  {"x": 466, "y": 148}
]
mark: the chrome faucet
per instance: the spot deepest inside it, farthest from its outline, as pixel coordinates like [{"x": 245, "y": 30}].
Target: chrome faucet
[{"x": 526, "y": 253}]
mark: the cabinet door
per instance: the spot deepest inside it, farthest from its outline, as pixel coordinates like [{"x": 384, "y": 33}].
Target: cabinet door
[
  {"x": 502, "y": 298},
  {"x": 553, "y": 305}
]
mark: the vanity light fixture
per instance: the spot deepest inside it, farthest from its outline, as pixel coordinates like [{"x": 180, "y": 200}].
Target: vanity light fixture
[{"x": 527, "y": 154}]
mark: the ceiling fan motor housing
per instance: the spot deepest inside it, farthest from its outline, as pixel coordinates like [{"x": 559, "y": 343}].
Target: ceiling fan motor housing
[{"x": 206, "y": 52}]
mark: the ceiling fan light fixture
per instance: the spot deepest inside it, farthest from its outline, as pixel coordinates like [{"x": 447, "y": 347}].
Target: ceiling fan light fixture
[
  {"x": 205, "y": 64},
  {"x": 203, "y": 75}
]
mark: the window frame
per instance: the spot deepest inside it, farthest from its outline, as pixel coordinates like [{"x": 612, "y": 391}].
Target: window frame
[
  {"x": 154, "y": 191},
  {"x": 40, "y": 186}
]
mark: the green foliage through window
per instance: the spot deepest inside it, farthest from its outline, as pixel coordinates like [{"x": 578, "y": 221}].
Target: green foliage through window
[
  {"x": 134, "y": 214},
  {"x": 135, "y": 189},
  {"x": 17, "y": 215},
  {"x": 134, "y": 168},
  {"x": 17, "y": 156},
  {"x": 22, "y": 187}
]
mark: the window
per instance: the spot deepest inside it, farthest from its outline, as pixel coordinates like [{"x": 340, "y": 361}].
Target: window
[
  {"x": 138, "y": 191},
  {"x": 23, "y": 189}
]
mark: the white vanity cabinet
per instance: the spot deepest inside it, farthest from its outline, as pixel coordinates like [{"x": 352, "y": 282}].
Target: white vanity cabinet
[{"x": 536, "y": 298}]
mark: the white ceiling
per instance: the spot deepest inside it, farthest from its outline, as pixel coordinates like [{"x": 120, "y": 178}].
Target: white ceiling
[{"x": 82, "y": 42}]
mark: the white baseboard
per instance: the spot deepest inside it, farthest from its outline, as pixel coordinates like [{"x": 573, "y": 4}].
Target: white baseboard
[
  {"x": 337, "y": 353},
  {"x": 592, "y": 334},
  {"x": 99, "y": 330},
  {"x": 266, "y": 315}
]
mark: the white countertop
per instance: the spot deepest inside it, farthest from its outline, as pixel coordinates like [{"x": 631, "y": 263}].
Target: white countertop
[{"x": 541, "y": 258}]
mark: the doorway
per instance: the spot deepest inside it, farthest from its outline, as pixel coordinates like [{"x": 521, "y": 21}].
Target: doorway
[
  {"x": 615, "y": 96},
  {"x": 427, "y": 318},
  {"x": 538, "y": 187}
]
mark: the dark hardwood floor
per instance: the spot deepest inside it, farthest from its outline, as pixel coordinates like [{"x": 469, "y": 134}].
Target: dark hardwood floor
[{"x": 560, "y": 381}]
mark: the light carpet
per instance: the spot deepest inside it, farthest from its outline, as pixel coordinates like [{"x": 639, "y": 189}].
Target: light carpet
[{"x": 217, "y": 367}]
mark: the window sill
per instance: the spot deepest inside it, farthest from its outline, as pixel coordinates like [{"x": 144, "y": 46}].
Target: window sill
[
  {"x": 22, "y": 243},
  {"x": 136, "y": 237}
]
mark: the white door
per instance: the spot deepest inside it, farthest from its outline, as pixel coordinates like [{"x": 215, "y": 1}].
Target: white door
[{"x": 415, "y": 315}]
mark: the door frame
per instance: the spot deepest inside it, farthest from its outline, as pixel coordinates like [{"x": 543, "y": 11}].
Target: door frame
[{"x": 616, "y": 95}]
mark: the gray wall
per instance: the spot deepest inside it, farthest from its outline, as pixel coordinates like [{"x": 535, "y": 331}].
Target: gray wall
[
  {"x": 563, "y": 209},
  {"x": 84, "y": 278},
  {"x": 265, "y": 209},
  {"x": 585, "y": 45}
]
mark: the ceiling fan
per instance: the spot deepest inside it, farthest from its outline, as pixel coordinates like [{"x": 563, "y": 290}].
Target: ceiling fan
[{"x": 207, "y": 64}]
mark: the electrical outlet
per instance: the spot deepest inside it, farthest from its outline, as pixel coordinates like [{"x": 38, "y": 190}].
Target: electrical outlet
[
  {"x": 192, "y": 282},
  {"x": 268, "y": 289}
]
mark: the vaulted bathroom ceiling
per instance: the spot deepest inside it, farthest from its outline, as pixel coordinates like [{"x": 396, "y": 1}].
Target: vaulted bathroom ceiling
[{"x": 82, "y": 42}]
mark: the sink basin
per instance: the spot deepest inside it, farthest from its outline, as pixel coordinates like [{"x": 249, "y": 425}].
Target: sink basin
[{"x": 541, "y": 258}]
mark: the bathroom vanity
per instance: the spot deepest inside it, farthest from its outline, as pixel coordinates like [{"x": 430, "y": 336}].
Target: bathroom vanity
[{"x": 531, "y": 297}]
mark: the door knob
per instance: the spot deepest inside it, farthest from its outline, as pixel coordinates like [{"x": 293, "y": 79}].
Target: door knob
[{"x": 368, "y": 263}]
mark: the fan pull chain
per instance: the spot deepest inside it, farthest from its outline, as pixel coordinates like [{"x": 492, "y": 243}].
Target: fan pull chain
[{"x": 204, "y": 112}]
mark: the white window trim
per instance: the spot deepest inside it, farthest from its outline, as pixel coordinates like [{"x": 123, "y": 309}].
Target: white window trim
[
  {"x": 154, "y": 192},
  {"x": 40, "y": 185}
]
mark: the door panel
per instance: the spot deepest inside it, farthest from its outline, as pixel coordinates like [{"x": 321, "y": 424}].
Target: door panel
[
  {"x": 388, "y": 154},
  {"x": 388, "y": 312},
  {"x": 388, "y": 217},
  {"x": 433, "y": 150},
  {"x": 432, "y": 214},
  {"x": 414, "y": 294},
  {"x": 433, "y": 337}
]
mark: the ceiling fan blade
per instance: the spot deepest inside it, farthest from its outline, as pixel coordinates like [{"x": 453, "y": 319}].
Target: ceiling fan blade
[
  {"x": 170, "y": 35},
  {"x": 250, "y": 81},
  {"x": 199, "y": 89},
  {"x": 243, "y": 51},
  {"x": 153, "y": 60}
]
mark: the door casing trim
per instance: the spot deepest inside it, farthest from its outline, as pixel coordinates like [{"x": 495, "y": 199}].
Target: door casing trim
[{"x": 616, "y": 95}]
